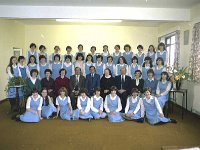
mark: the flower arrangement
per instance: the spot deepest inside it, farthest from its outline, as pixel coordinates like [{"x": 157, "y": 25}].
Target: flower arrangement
[{"x": 15, "y": 81}]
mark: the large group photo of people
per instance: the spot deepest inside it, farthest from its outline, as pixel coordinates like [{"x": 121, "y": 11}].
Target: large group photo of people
[{"x": 118, "y": 86}]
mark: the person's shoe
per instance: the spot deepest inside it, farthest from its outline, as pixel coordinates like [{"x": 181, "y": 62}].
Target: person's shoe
[
  {"x": 141, "y": 120},
  {"x": 173, "y": 121}
]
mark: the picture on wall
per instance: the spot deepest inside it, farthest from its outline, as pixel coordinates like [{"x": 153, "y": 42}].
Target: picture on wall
[{"x": 17, "y": 52}]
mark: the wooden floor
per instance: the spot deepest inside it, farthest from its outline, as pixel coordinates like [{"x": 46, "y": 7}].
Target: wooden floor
[{"x": 97, "y": 134}]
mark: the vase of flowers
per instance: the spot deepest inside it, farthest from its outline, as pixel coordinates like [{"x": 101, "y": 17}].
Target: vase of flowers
[
  {"x": 179, "y": 75},
  {"x": 15, "y": 81}
]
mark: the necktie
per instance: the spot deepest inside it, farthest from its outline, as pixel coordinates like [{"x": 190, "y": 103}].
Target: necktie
[{"x": 122, "y": 82}]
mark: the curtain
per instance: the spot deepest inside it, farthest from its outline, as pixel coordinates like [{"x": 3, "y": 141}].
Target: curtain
[
  {"x": 194, "y": 66},
  {"x": 177, "y": 49}
]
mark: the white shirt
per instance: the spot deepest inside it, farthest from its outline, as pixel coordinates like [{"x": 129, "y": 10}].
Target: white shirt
[
  {"x": 148, "y": 101},
  {"x": 133, "y": 101},
  {"x": 92, "y": 106},
  {"x": 29, "y": 102},
  {"x": 112, "y": 98},
  {"x": 33, "y": 80},
  {"x": 62, "y": 99},
  {"x": 14, "y": 67},
  {"x": 87, "y": 109}
]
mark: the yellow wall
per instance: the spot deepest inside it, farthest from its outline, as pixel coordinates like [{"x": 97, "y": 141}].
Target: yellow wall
[
  {"x": 11, "y": 35},
  {"x": 98, "y": 35}
]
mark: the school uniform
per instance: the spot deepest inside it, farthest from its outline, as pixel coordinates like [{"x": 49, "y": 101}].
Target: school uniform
[
  {"x": 153, "y": 110},
  {"x": 140, "y": 58},
  {"x": 23, "y": 71},
  {"x": 118, "y": 69},
  {"x": 94, "y": 56},
  {"x": 113, "y": 104},
  {"x": 55, "y": 67},
  {"x": 64, "y": 107},
  {"x": 116, "y": 57},
  {"x": 31, "y": 67},
  {"x": 131, "y": 70},
  {"x": 32, "y": 84},
  {"x": 151, "y": 84},
  {"x": 69, "y": 67},
  {"x": 51, "y": 57},
  {"x": 100, "y": 68},
  {"x": 158, "y": 71},
  {"x": 73, "y": 59},
  {"x": 33, "y": 104},
  {"x": 152, "y": 55},
  {"x": 42, "y": 68},
  {"x": 111, "y": 67},
  {"x": 84, "y": 105},
  {"x": 87, "y": 67},
  {"x": 144, "y": 72},
  {"x": 134, "y": 106},
  {"x": 29, "y": 53},
  {"x": 96, "y": 105},
  {"x": 163, "y": 89},
  {"x": 128, "y": 56},
  {"x": 84, "y": 54},
  {"x": 105, "y": 55},
  {"x": 48, "y": 108},
  {"x": 163, "y": 55}
]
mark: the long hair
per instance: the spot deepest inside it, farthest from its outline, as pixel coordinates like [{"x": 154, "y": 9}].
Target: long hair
[
  {"x": 46, "y": 99},
  {"x": 10, "y": 64},
  {"x": 29, "y": 61}
]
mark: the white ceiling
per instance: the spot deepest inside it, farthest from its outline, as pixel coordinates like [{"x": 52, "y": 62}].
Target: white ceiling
[{"x": 108, "y": 3}]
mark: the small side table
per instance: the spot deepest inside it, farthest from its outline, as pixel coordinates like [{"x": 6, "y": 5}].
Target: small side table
[{"x": 173, "y": 99}]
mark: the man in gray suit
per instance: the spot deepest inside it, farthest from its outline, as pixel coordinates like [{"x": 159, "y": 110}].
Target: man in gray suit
[{"x": 77, "y": 82}]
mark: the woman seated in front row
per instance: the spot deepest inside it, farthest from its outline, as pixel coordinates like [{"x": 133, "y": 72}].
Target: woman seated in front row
[{"x": 153, "y": 110}]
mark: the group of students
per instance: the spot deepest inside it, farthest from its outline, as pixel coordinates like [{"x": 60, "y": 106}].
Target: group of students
[
  {"x": 121, "y": 71},
  {"x": 39, "y": 107}
]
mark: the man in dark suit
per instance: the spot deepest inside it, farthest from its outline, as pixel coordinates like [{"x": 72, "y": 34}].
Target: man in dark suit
[
  {"x": 92, "y": 81},
  {"x": 77, "y": 82},
  {"x": 124, "y": 86}
]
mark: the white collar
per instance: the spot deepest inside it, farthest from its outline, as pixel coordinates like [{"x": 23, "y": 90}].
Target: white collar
[
  {"x": 134, "y": 65},
  {"x": 151, "y": 53},
  {"x": 43, "y": 64},
  {"x": 151, "y": 79},
  {"x": 32, "y": 65},
  {"x": 127, "y": 52},
  {"x": 164, "y": 81},
  {"x": 62, "y": 98},
  {"x": 117, "y": 54},
  {"x": 105, "y": 54},
  {"x": 140, "y": 54},
  {"x": 133, "y": 99},
  {"x": 121, "y": 64},
  {"x": 108, "y": 77},
  {"x": 67, "y": 64},
  {"x": 99, "y": 64},
  {"x": 82, "y": 98},
  {"x": 14, "y": 66},
  {"x": 113, "y": 98},
  {"x": 56, "y": 62},
  {"x": 97, "y": 98},
  {"x": 107, "y": 64},
  {"x": 147, "y": 66},
  {"x": 32, "y": 53},
  {"x": 148, "y": 100},
  {"x": 21, "y": 65},
  {"x": 89, "y": 64},
  {"x": 162, "y": 52},
  {"x": 36, "y": 98}
]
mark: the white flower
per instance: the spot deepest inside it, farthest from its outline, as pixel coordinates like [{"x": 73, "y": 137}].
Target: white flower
[
  {"x": 175, "y": 71},
  {"x": 183, "y": 76}
]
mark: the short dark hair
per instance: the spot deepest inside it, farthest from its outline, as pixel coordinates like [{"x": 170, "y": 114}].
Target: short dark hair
[
  {"x": 88, "y": 56},
  {"x": 139, "y": 72},
  {"x": 147, "y": 89},
  {"x": 79, "y": 55},
  {"x": 92, "y": 67},
  {"x": 140, "y": 46},
  {"x": 62, "y": 70},
  {"x": 69, "y": 57},
  {"x": 63, "y": 89},
  {"x": 148, "y": 58},
  {"x": 32, "y": 44},
  {"x": 57, "y": 47},
  {"x": 41, "y": 47},
  {"x": 48, "y": 70},
  {"x": 20, "y": 58},
  {"x": 98, "y": 89},
  {"x": 134, "y": 58},
  {"x": 124, "y": 60},
  {"x": 68, "y": 47},
  {"x": 80, "y": 45},
  {"x": 153, "y": 48},
  {"x": 83, "y": 90},
  {"x": 32, "y": 71},
  {"x": 105, "y": 46},
  {"x": 100, "y": 56},
  {"x": 127, "y": 45},
  {"x": 150, "y": 71},
  {"x": 113, "y": 88},
  {"x": 160, "y": 58},
  {"x": 117, "y": 46},
  {"x": 134, "y": 90},
  {"x": 164, "y": 73},
  {"x": 93, "y": 47},
  {"x": 34, "y": 90},
  {"x": 42, "y": 56},
  {"x": 32, "y": 56},
  {"x": 57, "y": 55},
  {"x": 109, "y": 57},
  {"x": 161, "y": 44}
]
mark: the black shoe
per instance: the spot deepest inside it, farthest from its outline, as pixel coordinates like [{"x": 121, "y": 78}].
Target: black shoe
[
  {"x": 141, "y": 120},
  {"x": 173, "y": 121}
]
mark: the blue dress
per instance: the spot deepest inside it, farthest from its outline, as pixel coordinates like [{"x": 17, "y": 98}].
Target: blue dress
[
  {"x": 23, "y": 72},
  {"x": 97, "y": 104},
  {"x": 152, "y": 56},
  {"x": 99, "y": 69},
  {"x": 163, "y": 99},
  {"x": 116, "y": 57},
  {"x": 104, "y": 58},
  {"x": 111, "y": 67},
  {"x": 163, "y": 55},
  {"x": 55, "y": 70},
  {"x": 31, "y": 67},
  {"x": 35, "y": 54},
  {"x": 48, "y": 110},
  {"x": 12, "y": 91},
  {"x": 112, "y": 106},
  {"x": 133, "y": 68},
  {"x": 86, "y": 115},
  {"x": 94, "y": 58},
  {"x": 64, "y": 107},
  {"x": 157, "y": 72},
  {"x": 52, "y": 57},
  {"x": 128, "y": 57},
  {"x": 144, "y": 72},
  {"x": 69, "y": 70},
  {"x": 42, "y": 70},
  {"x": 46, "y": 55},
  {"x": 118, "y": 68},
  {"x": 140, "y": 58},
  {"x": 87, "y": 68},
  {"x": 132, "y": 107},
  {"x": 30, "y": 116},
  {"x": 152, "y": 113}
]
